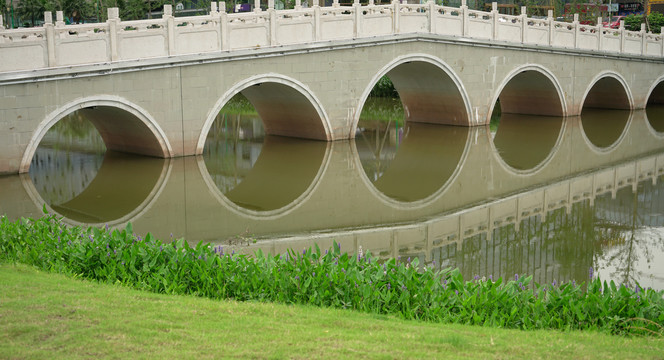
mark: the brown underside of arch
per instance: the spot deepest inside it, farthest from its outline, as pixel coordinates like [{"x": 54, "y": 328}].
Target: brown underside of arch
[
  {"x": 123, "y": 131},
  {"x": 285, "y": 111},
  {"x": 607, "y": 93},
  {"x": 428, "y": 94},
  {"x": 531, "y": 93}
]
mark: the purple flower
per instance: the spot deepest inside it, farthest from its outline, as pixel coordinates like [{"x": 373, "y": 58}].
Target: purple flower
[
  {"x": 477, "y": 277},
  {"x": 491, "y": 277},
  {"x": 389, "y": 286},
  {"x": 554, "y": 283},
  {"x": 313, "y": 274},
  {"x": 516, "y": 277},
  {"x": 456, "y": 292},
  {"x": 408, "y": 261},
  {"x": 590, "y": 273},
  {"x": 403, "y": 288},
  {"x": 637, "y": 289},
  {"x": 304, "y": 251},
  {"x": 297, "y": 277}
]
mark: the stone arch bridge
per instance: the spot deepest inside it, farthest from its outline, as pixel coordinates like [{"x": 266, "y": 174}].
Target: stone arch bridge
[{"x": 154, "y": 87}]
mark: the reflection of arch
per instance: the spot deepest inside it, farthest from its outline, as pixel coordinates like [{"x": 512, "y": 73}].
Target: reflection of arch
[
  {"x": 417, "y": 78},
  {"x": 656, "y": 92},
  {"x": 282, "y": 162},
  {"x": 530, "y": 90},
  {"x": 655, "y": 120},
  {"x": 608, "y": 90},
  {"x": 428, "y": 160},
  {"x": 286, "y": 106},
  {"x": 116, "y": 120},
  {"x": 524, "y": 144},
  {"x": 107, "y": 201},
  {"x": 601, "y": 135}
]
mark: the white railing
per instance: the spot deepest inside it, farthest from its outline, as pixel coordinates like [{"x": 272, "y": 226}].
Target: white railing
[{"x": 57, "y": 44}]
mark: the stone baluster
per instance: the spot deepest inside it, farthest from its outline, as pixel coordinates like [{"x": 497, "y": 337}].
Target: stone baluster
[
  {"x": 257, "y": 6},
  {"x": 316, "y": 28},
  {"x": 550, "y": 20},
  {"x": 223, "y": 23},
  {"x": 397, "y": 15},
  {"x": 661, "y": 40},
  {"x": 599, "y": 30},
  {"x": 576, "y": 30},
  {"x": 643, "y": 42},
  {"x": 59, "y": 19},
  {"x": 464, "y": 15},
  {"x": 524, "y": 24},
  {"x": 431, "y": 16},
  {"x": 335, "y": 3},
  {"x": 357, "y": 12},
  {"x": 113, "y": 22},
  {"x": 298, "y": 5},
  {"x": 494, "y": 20},
  {"x": 170, "y": 27},
  {"x": 50, "y": 38},
  {"x": 213, "y": 9},
  {"x": 622, "y": 35},
  {"x": 272, "y": 14},
  {"x": 2, "y": 26}
]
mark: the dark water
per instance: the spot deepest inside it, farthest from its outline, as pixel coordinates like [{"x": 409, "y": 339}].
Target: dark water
[{"x": 545, "y": 196}]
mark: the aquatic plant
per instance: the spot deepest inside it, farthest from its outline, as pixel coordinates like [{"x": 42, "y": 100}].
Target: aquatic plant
[{"x": 329, "y": 278}]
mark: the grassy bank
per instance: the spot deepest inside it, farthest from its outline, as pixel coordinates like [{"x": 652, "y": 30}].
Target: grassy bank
[
  {"x": 44, "y": 315},
  {"x": 331, "y": 279}
]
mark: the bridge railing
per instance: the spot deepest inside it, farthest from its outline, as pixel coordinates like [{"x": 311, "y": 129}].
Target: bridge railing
[{"x": 57, "y": 44}]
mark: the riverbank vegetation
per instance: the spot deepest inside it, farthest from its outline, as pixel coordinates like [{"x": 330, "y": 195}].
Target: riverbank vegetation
[{"x": 328, "y": 279}]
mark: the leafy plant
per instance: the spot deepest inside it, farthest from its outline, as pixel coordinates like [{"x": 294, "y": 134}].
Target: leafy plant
[{"x": 332, "y": 278}]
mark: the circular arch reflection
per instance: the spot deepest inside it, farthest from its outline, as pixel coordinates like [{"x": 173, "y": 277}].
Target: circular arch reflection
[
  {"x": 280, "y": 176},
  {"x": 124, "y": 187},
  {"x": 427, "y": 159},
  {"x": 525, "y": 143},
  {"x": 604, "y": 129}
]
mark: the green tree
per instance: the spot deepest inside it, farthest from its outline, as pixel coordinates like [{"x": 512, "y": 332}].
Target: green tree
[
  {"x": 633, "y": 22},
  {"x": 655, "y": 21},
  {"x": 34, "y": 9}
]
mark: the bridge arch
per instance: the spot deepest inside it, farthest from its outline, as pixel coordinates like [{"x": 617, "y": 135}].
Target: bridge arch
[
  {"x": 416, "y": 77},
  {"x": 277, "y": 97},
  {"x": 656, "y": 92},
  {"x": 133, "y": 129},
  {"x": 608, "y": 90},
  {"x": 530, "y": 89}
]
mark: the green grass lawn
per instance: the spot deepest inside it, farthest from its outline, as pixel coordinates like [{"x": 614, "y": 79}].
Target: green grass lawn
[{"x": 49, "y": 316}]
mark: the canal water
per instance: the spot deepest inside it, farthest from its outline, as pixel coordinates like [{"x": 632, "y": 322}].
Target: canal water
[{"x": 544, "y": 196}]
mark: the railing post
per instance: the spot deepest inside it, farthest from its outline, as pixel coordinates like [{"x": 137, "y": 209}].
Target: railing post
[
  {"x": 113, "y": 20},
  {"x": 2, "y": 26},
  {"x": 50, "y": 38},
  {"x": 223, "y": 23},
  {"x": 524, "y": 23},
  {"x": 576, "y": 30},
  {"x": 550, "y": 20},
  {"x": 317, "y": 27},
  {"x": 395, "y": 19},
  {"x": 464, "y": 14},
  {"x": 600, "y": 37},
  {"x": 170, "y": 27},
  {"x": 357, "y": 12},
  {"x": 59, "y": 19},
  {"x": 494, "y": 20},
  {"x": 432, "y": 16},
  {"x": 257, "y": 6},
  {"x": 643, "y": 42},
  {"x": 661, "y": 41},
  {"x": 273, "y": 22},
  {"x": 335, "y": 3},
  {"x": 622, "y": 36},
  {"x": 298, "y": 5}
]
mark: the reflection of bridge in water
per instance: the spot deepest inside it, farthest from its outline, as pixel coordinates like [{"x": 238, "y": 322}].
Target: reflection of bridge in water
[{"x": 464, "y": 218}]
